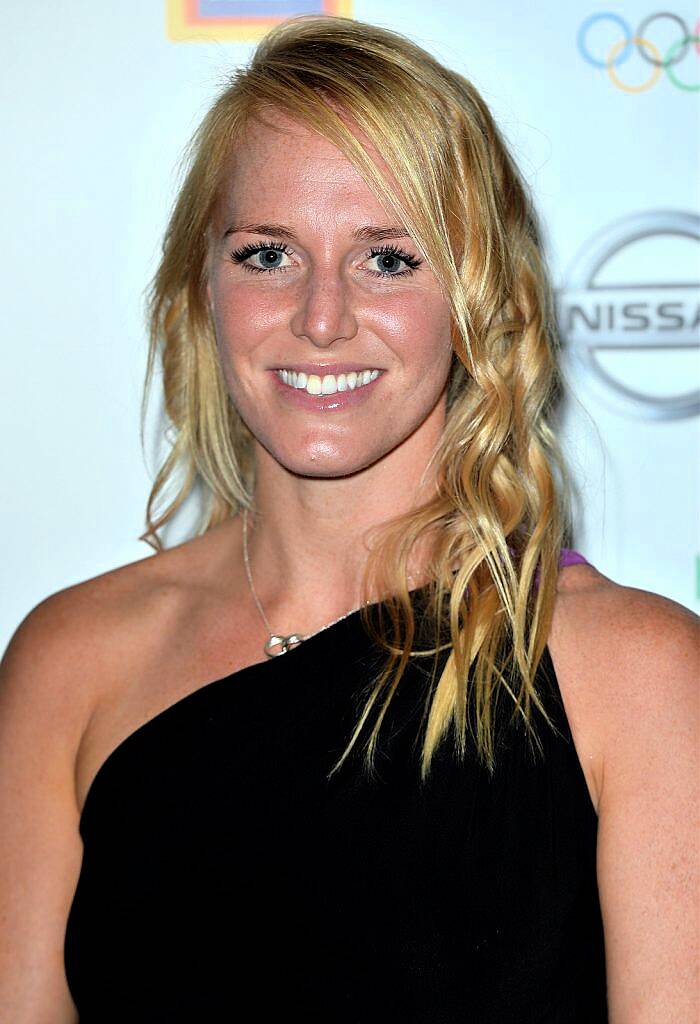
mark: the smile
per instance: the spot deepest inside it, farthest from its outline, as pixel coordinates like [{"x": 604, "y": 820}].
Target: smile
[{"x": 329, "y": 384}]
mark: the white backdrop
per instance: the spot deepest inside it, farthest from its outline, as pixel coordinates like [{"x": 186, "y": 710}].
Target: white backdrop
[{"x": 99, "y": 101}]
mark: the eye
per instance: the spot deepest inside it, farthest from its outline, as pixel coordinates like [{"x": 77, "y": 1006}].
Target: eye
[
  {"x": 270, "y": 259},
  {"x": 270, "y": 253},
  {"x": 390, "y": 259}
]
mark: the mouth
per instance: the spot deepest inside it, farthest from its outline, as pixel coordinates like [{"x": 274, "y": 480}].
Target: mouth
[
  {"x": 327, "y": 392},
  {"x": 327, "y": 383}
]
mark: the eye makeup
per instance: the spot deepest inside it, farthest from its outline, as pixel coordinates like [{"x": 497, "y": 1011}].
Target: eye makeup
[{"x": 242, "y": 255}]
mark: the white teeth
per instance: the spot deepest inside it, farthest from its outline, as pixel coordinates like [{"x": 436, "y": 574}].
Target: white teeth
[{"x": 313, "y": 384}]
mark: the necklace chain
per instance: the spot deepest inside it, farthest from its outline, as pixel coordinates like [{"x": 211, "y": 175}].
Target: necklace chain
[{"x": 277, "y": 644}]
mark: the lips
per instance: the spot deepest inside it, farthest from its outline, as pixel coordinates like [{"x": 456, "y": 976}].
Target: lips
[
  {"x": 320, "y": 369},
  {"x": 328, "y": 384},
  {"x": 300, "y": 398}
]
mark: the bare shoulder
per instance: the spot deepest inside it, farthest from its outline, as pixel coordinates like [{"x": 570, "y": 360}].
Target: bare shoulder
[
  {"x": 618, "y": 612},
  {"x": 75, "y": 646},
  {"x": 65, "y": 645},
  {"x": 631, "y": 673},
  {"x": 616, "y": 651},
  {"x": 634, "y": 636},
  {"x": 112, "y": 652},
  {"x": 74, "y": 652},
  {"x": 637, "y": 654}
]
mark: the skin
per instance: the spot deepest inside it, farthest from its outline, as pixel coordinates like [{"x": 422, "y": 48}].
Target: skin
[{"x": 323, "y": 478}]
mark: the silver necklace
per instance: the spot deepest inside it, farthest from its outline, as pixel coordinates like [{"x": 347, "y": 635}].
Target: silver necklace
[{"x": 275, "y": 643}]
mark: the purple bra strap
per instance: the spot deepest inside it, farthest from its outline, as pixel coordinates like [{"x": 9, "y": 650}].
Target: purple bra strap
[
  {"x": 567, "y": 557},
  {"x": 570, "y": 557}
]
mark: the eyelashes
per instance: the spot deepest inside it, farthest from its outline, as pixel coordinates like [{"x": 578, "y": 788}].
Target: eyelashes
[
  {"x": 250, "y": 249},
  {"x": 244, "y": 253}
]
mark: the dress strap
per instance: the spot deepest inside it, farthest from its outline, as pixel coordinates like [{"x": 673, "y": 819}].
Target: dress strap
[
  {"x": 567, "y": 556},
  {"x": 570, "y": 557}
]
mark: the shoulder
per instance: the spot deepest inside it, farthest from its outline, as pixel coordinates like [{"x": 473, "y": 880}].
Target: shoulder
[
  {"x": 634, "y": 659},
  {"x": 639, "y": 655},
  {"x": 635, "y": 643},
  {"x": 81, "y": 620},
  {"x": 617, "y": 651},
  {"x": 628, "y": 661},
  {"x": 73, "y": 625},
  {"x": 77, "y": 642},
  {"x": 70, "y": 650},
  {"x": 59, "y": 655},
  {"x": 77, "y": 645}
]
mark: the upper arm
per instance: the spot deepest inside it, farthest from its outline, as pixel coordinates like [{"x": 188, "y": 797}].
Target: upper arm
[
  {"x": 648, "y": 813},
  {"x": 43, "y": 713}
]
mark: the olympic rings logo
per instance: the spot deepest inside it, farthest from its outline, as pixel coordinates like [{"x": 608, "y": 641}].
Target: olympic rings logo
[{"x": 621, "y": 50}]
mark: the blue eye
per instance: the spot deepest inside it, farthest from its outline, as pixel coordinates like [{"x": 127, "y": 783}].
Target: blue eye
[
  {"x": 389, "y": 256},
  {"x": 270, "y": 253}
]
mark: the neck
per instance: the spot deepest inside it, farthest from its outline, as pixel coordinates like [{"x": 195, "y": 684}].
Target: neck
[{"x": 308, "y": 538}]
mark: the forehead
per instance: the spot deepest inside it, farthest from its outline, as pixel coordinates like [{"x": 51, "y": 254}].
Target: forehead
[{"x": 281, "y": 162}]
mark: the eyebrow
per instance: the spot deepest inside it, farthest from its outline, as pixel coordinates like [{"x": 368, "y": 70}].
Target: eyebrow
[{"x": 368, "y": 233}]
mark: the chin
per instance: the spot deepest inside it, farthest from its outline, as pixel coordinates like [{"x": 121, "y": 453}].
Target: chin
[{"x": 321, "y": 461}]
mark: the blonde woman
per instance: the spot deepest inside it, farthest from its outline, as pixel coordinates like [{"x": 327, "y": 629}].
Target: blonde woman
[{"x": 374, "y": 745}]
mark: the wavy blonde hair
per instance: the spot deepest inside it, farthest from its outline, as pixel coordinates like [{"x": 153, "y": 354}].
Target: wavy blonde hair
[{"x": 501, "y": 508}]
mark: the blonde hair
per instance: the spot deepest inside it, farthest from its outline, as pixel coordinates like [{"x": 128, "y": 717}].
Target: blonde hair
[{"x": 501, "y": 509}]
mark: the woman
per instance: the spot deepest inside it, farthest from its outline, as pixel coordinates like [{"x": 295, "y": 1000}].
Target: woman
[{"x": 373, "y": 745}]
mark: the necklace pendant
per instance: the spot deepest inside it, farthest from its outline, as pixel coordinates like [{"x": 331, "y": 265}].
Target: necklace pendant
[{"x": 276, "y": 645}]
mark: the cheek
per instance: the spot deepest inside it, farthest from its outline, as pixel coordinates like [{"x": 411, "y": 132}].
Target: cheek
[
  {"x": 414, "y": 324},
  {"x": 244, "y": 315},
  {"x": 418, "y": 332},
  {"x": 236, "y": 327},
  {"x": 231, "y": 341}
]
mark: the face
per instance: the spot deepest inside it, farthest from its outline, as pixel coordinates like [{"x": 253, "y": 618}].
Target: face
[{"x": 298, "y": 283}]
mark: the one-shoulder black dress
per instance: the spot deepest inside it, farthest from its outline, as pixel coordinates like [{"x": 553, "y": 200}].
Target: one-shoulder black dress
[{"x": 225, "y": 878}]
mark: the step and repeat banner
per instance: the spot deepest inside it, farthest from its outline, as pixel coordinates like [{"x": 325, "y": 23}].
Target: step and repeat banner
[{"x": 600, "y": 107}]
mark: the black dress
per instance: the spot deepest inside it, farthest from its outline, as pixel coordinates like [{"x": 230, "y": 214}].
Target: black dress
[{"x": 224, "y": 878}]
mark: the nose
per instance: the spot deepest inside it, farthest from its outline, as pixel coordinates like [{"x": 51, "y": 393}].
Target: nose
[{"x": 324, "y": 313}]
